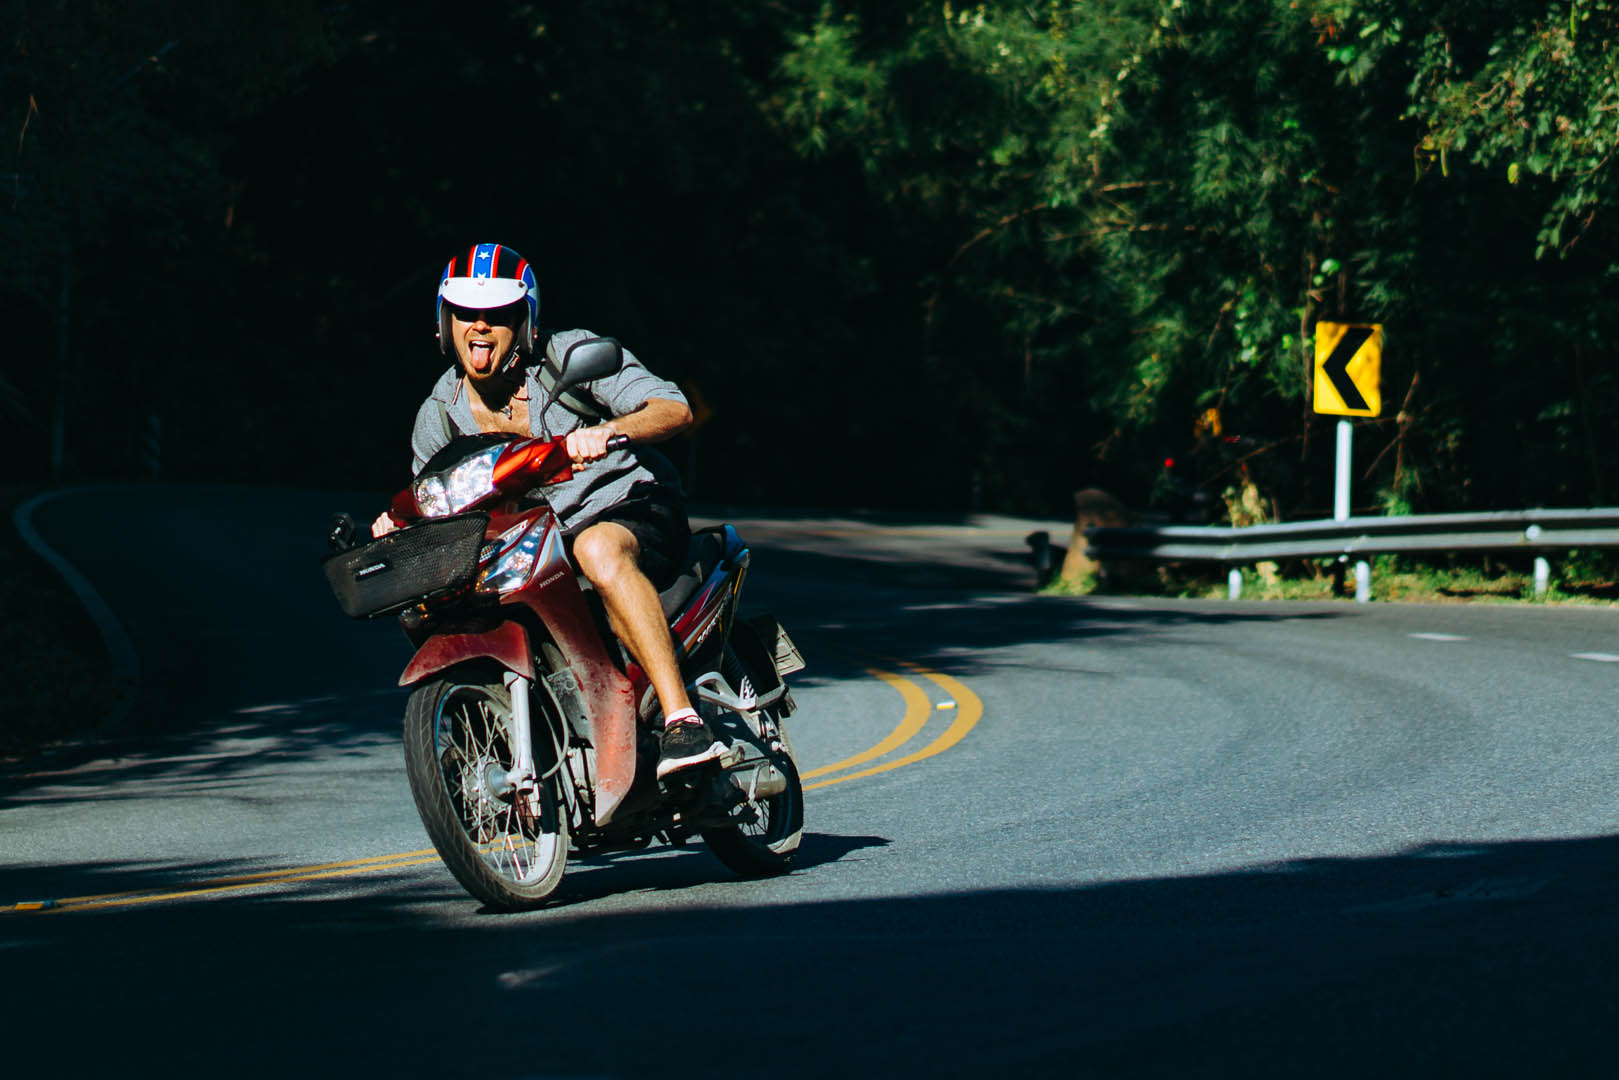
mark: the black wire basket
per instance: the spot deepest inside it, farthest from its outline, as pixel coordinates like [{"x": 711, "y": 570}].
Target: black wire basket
[{"x": 408, "y": 566}]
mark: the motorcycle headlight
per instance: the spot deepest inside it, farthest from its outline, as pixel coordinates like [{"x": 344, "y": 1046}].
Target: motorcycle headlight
[
  {"x": 509, "y": 560},
  {"x": 453, "y": 490}
]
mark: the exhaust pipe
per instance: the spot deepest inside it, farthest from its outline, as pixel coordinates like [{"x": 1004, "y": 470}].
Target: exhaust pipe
[{"x": 761, "y": 782}]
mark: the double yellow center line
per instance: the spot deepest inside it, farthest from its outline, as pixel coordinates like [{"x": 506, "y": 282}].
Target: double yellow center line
[
  {"x": 231, "y": 884},
  {"x": 960, "y": 703}
]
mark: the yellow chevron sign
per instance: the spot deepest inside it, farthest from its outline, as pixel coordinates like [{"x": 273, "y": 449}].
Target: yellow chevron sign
[{"x": 1348, "y": 366}]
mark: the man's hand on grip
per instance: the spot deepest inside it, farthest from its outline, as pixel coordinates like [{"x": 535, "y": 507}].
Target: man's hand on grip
[{"x": 589, "y": 443}]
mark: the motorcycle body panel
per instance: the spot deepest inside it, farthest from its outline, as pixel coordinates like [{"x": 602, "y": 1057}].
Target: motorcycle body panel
[
  {"x": 551, "y": 593},
  {"x": 559, "y": 603},
  {"x": 707, "y": 611},
  {"x": 506, "y": 644},
  {"x": 711, "y": 609}
]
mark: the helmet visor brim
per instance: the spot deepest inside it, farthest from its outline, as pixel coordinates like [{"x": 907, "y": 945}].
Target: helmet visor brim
[{"x": 482, "y": 292}]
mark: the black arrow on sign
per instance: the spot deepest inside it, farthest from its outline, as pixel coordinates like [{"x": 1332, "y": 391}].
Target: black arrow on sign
[{"x": 1336, "y": 367}]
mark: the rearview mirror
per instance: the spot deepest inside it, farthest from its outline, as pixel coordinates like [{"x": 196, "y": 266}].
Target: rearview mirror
[{"x": 589, "y": 360}]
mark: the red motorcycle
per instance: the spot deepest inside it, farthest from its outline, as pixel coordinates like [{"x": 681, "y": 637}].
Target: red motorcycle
[{"x": 531, "y": 730}]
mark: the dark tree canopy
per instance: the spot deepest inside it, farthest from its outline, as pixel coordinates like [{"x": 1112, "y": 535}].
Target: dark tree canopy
[{"x": 923, "y": 255}]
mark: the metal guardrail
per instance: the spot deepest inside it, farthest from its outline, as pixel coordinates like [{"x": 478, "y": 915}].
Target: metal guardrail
[{"x": 1504, "y": 530}]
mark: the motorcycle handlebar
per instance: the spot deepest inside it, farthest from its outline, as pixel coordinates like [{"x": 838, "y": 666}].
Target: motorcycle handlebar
[{"x": 403, "y": 510}]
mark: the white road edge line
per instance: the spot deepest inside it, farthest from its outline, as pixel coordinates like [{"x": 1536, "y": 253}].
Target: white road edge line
[
  {"x": 120, "y": 650},
  {"x": 1599, "y": 657},
  {"x": 1438, "y": 637}
]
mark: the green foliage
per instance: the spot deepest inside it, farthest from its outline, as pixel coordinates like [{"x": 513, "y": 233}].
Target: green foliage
[
  {"x": 1578, "y": 580},
  {"x": 1081, "y": 586},
  {"x": 1529, "y": 95},
  {"x": 1038, "y": 242},
  {"x": 1138, "y": 182},
  {"x": 1166, "y": 196}
]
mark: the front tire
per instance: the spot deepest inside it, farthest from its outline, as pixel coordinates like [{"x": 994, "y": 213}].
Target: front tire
[{"x": 458, "y": 746}]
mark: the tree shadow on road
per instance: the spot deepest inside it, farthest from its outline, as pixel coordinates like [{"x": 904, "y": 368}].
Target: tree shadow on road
[
  {"x": 1446, "y": 959},
  {"x": 240, "y": 642},
  {"x": 668, "y": 870},
  {"x": 841, "y": 608},
  {"x": 329, "y": 690},
  {"x": 237, "y": 752}
]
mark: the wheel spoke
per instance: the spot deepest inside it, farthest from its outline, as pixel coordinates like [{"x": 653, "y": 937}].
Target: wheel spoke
[{"x": 474, "y": 739}]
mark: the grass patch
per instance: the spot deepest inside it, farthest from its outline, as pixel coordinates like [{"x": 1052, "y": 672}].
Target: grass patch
[
  {"x": 54, "y": 671},
  {"x": 1588, "y": 578}
]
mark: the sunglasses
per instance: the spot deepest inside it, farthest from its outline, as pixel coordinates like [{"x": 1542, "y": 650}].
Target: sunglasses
[{"x": 507, "y": 315}]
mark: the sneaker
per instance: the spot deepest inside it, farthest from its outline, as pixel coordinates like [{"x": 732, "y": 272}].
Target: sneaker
[{"x": 687, "y": 742}]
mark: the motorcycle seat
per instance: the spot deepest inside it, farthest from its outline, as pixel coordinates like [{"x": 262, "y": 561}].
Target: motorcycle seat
[{"x": 702, "y": 556}]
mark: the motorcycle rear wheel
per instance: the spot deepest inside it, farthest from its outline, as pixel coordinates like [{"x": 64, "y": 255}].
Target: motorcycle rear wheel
[
  {"x": 766, "y": 845},
  {"x": 457, "y": 746}
]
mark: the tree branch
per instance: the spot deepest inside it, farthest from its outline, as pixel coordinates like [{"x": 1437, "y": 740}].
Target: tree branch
[{"x": 990, "y": 230}]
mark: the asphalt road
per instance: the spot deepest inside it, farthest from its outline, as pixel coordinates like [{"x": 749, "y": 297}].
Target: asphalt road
[{"x": 1112, "y": 837}]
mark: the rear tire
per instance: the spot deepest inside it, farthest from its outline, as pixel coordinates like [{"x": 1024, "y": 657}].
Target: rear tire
[
  {"x": 457, "y": 745},
  {"x": 765, "y": 845}
]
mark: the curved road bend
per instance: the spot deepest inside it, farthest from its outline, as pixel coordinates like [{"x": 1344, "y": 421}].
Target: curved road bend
[{"x": 1114, "y": 836}]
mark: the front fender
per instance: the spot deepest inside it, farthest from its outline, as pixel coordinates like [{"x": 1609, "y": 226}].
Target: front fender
[{"x": 507, "y": 645}]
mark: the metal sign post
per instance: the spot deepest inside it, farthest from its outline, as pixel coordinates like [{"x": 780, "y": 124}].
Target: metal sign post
[
  {"x": 1340, "y": 484},
  {"x": 1340, "y": 507}
]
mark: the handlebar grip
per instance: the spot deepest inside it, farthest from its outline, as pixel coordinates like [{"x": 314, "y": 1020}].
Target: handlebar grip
[{"x": 618, "y": 442}]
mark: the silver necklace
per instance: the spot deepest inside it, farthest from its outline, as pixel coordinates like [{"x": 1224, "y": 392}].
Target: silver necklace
[{"x": 511, "y": 403}]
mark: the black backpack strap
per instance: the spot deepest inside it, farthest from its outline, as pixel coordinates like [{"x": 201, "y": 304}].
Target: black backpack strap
[
  {"x": 590, "y": 410},
  {"x": 574, "y": 400}
]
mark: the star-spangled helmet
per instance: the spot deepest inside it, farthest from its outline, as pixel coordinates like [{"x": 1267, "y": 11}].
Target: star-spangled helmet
[{"x": 490, "y": 276}]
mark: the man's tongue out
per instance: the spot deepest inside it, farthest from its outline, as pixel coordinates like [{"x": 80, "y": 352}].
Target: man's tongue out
[{"x": 482, "y": 354}]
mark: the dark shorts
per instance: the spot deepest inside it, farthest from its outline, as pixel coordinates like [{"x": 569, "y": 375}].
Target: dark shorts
[{"x": 656, "y": 516}]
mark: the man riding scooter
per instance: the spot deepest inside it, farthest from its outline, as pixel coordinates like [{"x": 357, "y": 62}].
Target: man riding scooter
[{"x": 625, "y": 514}]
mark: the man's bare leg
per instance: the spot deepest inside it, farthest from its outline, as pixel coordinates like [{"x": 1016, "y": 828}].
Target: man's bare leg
[{"x": 606, "y": 553}]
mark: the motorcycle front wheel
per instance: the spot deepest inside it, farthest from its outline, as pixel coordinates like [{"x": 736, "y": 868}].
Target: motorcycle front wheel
[{"x": 458, "y": 750}]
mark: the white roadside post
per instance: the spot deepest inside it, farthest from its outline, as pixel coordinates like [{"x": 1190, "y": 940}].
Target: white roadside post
[{"x": 1543, "y": 569}]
